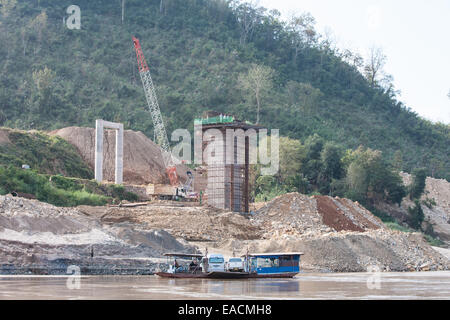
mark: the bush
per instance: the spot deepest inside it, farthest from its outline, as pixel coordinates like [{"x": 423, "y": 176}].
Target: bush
[
  {"x": 65, "y": 183},
  {"x": 416, "y": 215},
  {"x": 417, "y": 186},
  {"x": 398, "y": 227},
  {"x": 386, "y": 218},
  {"x": 435, "y": 242},
  {"x": 60, "y": 191},
  {"x": 432, "y": 241},
  {"x": 118, "y": 192},
  {"x": 429, "y": 203}
]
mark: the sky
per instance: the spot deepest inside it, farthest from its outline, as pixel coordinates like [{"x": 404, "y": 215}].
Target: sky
[{"x": 413, "y": 34}]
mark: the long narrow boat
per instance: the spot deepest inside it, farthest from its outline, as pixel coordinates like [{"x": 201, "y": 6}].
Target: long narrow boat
[
  {"x": 260, "y": 265},
  {"x": 225, "y": 275}
]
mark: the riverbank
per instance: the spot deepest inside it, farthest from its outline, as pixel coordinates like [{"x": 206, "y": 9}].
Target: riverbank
[{"x": 336, "y": 235}]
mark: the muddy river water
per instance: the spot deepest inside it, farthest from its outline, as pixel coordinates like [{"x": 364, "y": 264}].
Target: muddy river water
[{"x": 415, "y": 285}]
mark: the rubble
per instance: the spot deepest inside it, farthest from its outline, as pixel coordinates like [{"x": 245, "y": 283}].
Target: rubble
[
  {"x": 438, "y": 215},
  {"x": 336, "y": 235},
  {"x": 39, "y": 235}
]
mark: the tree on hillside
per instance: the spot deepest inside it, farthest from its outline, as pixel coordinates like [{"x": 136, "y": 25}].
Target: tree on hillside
[
  {"x": 331, "y": 162},
  {"x": 290, "y": 177},
  {"x": 352, "y": 58},
  {"x": 39, "y": 24},
  {"x": 303, "y": 32},
  {"x": 292, "y": 153},
  {"x": 398, "y": 160},
  {"x": 369, "y": 179},
  {"x": 416, "y": 215},
  {"x": 312, "y": 164},
  {"x": 7, "y": 6},
  {"x": 417, "y": 187},
  {"x": 303, "y": 95},
  {"x": 43, "y": 80},
  {"x": 374, "y": 66},
  {"x": 257, "y": 81},
  {"x": 247, "y": 15}
]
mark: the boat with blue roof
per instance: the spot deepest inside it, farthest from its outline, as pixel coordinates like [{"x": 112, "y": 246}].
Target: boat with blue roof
[{"x": 255, "y": 265}]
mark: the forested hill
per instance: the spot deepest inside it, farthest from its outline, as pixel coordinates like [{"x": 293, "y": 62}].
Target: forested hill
[{"x": 198, "y": 50}]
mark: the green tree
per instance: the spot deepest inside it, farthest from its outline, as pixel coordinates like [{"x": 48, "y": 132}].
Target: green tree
[
  {"x": 303, "y": 96},
  {"x": 417, "y": 187},
  {"x": 44, "y": 81},
  {"x": 258, "y": 82},
  {"x": 331, "y": 168},
  {"x": 416, "y": 215},
  {"x": 292, "y": 153},
  {"x": 303, "y": 31},
  {"x": 39, "y": 24},
  {"x": 398, "y": 160},
  {"x": 370, "y": 179},
  {"x": 7, "y": 6}
]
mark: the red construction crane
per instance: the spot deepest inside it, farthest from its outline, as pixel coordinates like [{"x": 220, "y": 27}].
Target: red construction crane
[{"x": 152, "y": 101}]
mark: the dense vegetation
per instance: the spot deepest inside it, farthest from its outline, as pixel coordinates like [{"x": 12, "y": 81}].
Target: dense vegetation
[
  {"x": 324, "y": 167},
  {"x": 200, "y": 52},
  {"x": 47, "y": 154},
  {"x": 59, "y": 190}
]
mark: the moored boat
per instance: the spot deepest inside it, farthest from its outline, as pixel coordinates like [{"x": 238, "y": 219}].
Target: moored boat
[{"x": 257, "y": 265}]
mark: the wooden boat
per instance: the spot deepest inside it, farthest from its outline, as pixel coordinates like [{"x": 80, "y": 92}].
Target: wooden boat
[
  {"x": 224, "y": 275},
  {"x": 262, "y": 265}
]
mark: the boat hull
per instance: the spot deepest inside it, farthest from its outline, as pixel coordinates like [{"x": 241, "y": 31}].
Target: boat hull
[{"x": 225, "y": 275}]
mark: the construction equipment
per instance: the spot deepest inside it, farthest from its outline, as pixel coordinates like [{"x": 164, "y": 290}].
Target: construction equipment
[
  {"x": 152, "y": 101},
  {"x": 160, "y": 133},
  {"x": 168, "y": 192}
]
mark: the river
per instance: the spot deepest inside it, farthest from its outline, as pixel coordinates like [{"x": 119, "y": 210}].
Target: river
[{"x": 414, "y": 285}]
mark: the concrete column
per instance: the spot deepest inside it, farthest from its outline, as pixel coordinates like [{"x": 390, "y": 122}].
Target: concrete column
[
  {"x": 119, "y": 155},
  {"x": 99, "y": 126},
  {"x": 99, "y": 150}
]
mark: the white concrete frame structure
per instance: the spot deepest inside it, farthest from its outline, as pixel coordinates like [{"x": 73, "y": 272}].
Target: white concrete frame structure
[{"x": 99, "y": 126}]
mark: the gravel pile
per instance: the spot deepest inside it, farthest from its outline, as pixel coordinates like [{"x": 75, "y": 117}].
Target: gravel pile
[{"x": 33, "y": 233}]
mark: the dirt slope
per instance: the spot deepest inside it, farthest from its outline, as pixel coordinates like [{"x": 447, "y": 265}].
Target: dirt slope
[
  {"x": 191, "y": 223},
  {"x": 296, "y": 214},
  {"x": 322, "y": 227},
  {"x": 142, "y": 160},
  {"x": 349, "y": 251},
  {"x": 36, "y": 233}
]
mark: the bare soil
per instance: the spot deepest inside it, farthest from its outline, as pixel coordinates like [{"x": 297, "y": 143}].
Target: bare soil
[{"x": 142, "y": 161}]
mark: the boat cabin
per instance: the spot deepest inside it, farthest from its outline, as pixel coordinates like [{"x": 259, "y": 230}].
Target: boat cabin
[
  {"x": 185, "y": 262},
  {"x": 273, "y": 263}
]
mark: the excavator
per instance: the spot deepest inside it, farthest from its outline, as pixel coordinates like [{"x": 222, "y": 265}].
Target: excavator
[{"x": 176, "y": 190}]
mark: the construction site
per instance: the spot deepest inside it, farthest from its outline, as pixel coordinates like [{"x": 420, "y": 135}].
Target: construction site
[{"x": 190, "y": 207}]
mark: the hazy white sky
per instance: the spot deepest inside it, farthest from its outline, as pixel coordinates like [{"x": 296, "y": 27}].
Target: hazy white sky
[{"x": 414, "y": 35}]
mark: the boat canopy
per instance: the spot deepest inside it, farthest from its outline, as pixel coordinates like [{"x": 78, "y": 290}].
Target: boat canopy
[
  {"x": 274, "y": 262},
  {"x": 187, "y": 255},
  {"x": 271, "y": 254}
]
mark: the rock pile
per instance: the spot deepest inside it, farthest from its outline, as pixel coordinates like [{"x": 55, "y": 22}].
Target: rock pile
[
  {"x": 189, "y": 223},
  {"x": 298, "y": 214},
  {"x": 33, "y": 233}
]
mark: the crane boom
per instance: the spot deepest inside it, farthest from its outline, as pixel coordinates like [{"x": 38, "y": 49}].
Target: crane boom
[{"x": 152, "y": 101}]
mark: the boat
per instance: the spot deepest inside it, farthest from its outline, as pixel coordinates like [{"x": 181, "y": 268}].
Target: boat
[{"x": 257, "y": 265}]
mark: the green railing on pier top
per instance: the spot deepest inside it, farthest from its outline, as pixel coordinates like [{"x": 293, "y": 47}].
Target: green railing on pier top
[{"x": 213, "y": 120}]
